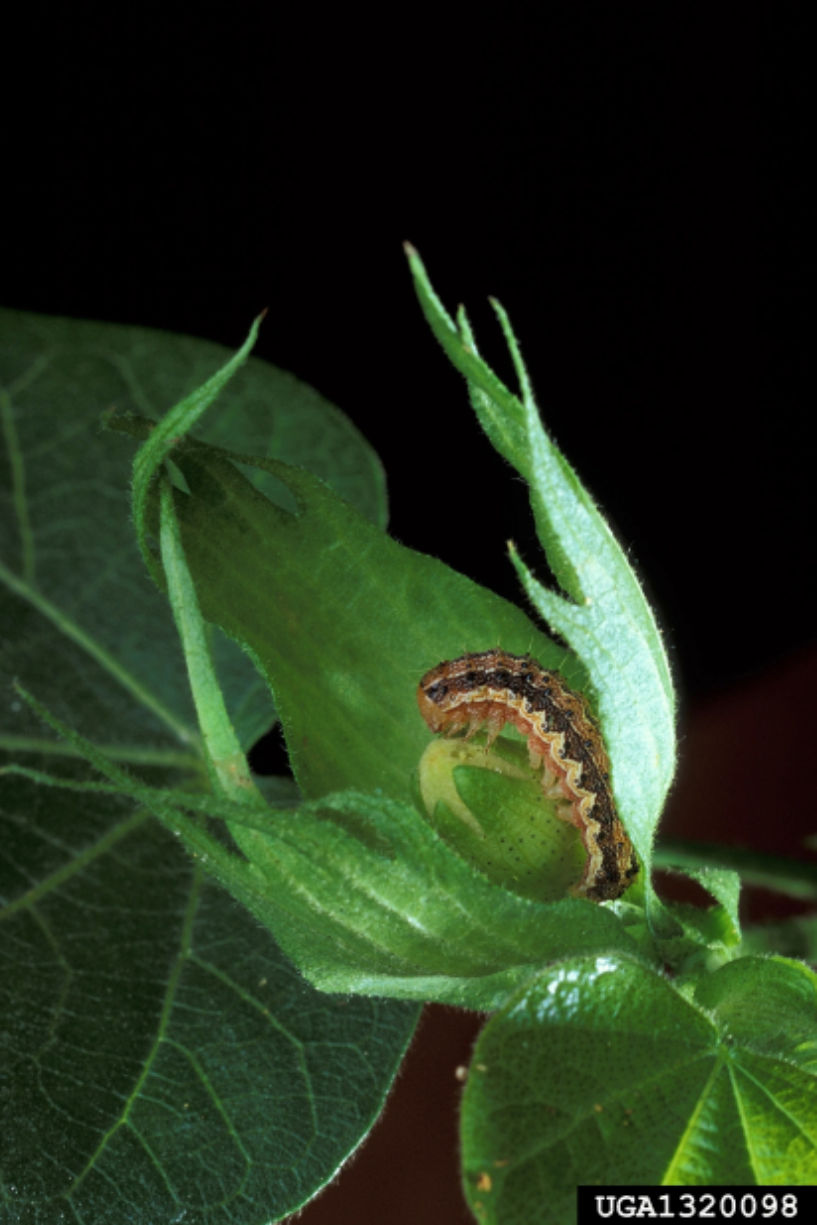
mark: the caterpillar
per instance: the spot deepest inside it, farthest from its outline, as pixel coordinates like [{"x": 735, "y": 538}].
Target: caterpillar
[{"x": 492, "y": 688}]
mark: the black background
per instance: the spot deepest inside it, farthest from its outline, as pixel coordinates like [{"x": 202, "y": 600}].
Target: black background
[{"x": 630, "y": 184}]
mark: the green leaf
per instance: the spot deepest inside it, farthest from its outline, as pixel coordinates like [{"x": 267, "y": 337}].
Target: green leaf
[
  {"x": 69, "y": 565},
  {"x": 792, "y": 937},
  {"x": 770, "y": 1005},
  {"x": 793, "y": 877},
  {"x": 603, "y": 615},
  {"x": 600, "y": 1072},
  {"x": 165, "y": 1059}
]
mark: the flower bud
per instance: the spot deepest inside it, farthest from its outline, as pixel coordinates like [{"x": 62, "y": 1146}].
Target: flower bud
[{"x": 489, "y": 806}]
